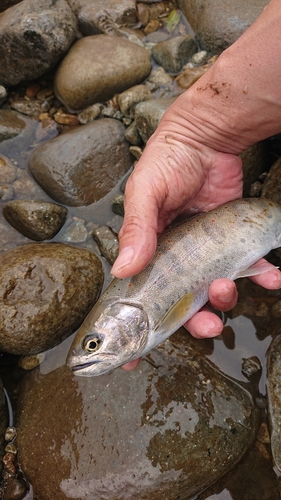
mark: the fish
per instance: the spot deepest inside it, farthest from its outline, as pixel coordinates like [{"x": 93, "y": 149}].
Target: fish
[{"x": 136, "y": 314}]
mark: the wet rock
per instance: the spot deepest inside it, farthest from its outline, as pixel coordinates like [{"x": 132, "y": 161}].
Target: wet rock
[
  {"x": 83, "y": 78},
  {"x": 218, "y": 23},
  {"x": 117, "y": 204},
  {"x": 274, "y": 398},
  {"x": 107, "y": 242},
  {"x": 165, "y": 430},
  {"x": 3, "y": 424},
  {"x": 172, "y": 54},
  {"x": 190, "y": 75},
  {"x": 14, "y": 488},
  {"x": 76, "y": 232},
  {"x": 90, "y": 114},
  {"x": 132, "y": 135},
  {"x": 46, "y": 290},
  {"x": 199, "y": 58},
  {"x": 102, "y": 17},
  {"x": 272, "y": 185},
  {"x": 29, "y": 108},
  {"x": 136, "y": 151},
  {"x": 34, "y": 35},
  {"x": 66, "y": 119},
  {"x": 82, "y": 165},
  {"x": 159, "y": 77},
  {"x": 26, "y": 188},
  {"x": 131, "y": 97},
  {"x": 11, "y": 124},
  {"x": 148, "y": 115},
  {"x": 36, "y": 220}
]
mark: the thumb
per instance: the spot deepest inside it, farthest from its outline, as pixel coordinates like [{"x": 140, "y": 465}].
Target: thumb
[{"x": 138, "y": 235}]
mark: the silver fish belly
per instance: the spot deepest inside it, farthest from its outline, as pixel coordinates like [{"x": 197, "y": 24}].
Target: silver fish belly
[{"x": 136, "y": 314}]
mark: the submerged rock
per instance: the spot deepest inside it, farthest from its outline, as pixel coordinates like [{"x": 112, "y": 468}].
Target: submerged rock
[
  {"x": 34, "y": 35},
  {"x": 46, "y": 290},
  {"x": 82, "y": 165},
  {"x": 165, "y": 430},
  {"x": 272, "y": 185},
  {"x": 36, "y": 220},
  {"x": 11, "y": 124},
  {"x": 83, "y": 78},
  {"x": 172, "y": 54},
  {"x": 148, "y": 115}
]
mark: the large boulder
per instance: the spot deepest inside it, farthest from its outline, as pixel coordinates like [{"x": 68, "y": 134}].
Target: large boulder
[
  {"x": 46, "y": 290},
  {"x": 81, "y": 166},
  {"x": 165, "y": 430},
  {"x": 34, "y": 35},
  {"x": 219, "y": 23},
  {"x": 97, "y": 67}
]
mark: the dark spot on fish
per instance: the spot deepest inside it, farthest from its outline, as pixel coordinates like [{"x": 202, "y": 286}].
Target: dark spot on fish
[
  {"x": 253, "y": 241},
  {"x": 156, "y": 306},
  {"x": 218, "y": 260},
  {"x": 243, "y": 240}
]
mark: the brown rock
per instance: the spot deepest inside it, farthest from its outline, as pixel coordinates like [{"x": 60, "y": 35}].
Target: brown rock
[
  {"x": 46, "y": 290},
  {"x": 83, "y": 78}
]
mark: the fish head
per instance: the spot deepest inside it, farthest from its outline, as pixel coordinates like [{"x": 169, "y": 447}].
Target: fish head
[{"x": 108, "y": 339}]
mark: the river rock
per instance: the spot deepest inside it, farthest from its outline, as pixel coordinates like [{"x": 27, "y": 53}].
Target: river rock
[
  {"x": 163, "y": 431},
  {"x": 36, "y": 220},
  {"x": 46, "y": 290},
  {"x": 83, "y": 78},
  {"x": 107, "y": 242},
  {"x": 274, "y": 398},
  {"x": 11, "y": 124},
  {"x": 103, "y": 17},
  {"x": 82, "y": 165},
  {"x": 3, "y": 424},
  {"x": 172, "y": 54},
  {"x": 219, "y": 23},
  {"x": 148, "y": 115},
  {"x": 130, "y": 98},
  {"x": 272, "y": 185},
  {"x": 34, "y": 35}
]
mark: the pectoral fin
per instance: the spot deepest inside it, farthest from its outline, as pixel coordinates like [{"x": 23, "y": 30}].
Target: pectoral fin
[
  {"x": 255, "y": 270},
  {"x": 176, "y": 313}
]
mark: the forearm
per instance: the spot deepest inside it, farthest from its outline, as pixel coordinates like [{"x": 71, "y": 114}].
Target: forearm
[{"x": 238, "y": 101}]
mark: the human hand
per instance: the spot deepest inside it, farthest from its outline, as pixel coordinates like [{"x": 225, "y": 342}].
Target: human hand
[{"x": 176, "y": 175}]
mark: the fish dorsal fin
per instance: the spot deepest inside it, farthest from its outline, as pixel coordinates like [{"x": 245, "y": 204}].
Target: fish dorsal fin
[
  {"x": 176, "y": 314},
  {"x": 255, "y": 270}
]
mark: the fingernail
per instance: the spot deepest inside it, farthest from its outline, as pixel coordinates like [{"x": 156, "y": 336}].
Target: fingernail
[
  {"x": 226, "y": 295},
  {"x": 124, "y": 259}
]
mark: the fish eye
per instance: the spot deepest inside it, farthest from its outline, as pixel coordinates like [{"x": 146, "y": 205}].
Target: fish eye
[{"x": 92, "y": 344}]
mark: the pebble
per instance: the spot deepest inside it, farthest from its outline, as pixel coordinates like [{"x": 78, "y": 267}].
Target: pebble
[
  {"x": 30, "y": 362},
  {"x": 65, "y": 119},
  {"x": 117, "y": 204},
  {"x": 75, "y": 232},
  {"x": 36, "y": 220},
  {"x": 131, "y": 97},
  {"x": 3, "y": 94},
  {"x": 107, "y": 242},
  {"x": 172, "y": 54},
  {"x": 91, "y": 113},
  {"x": 10, "y": 434}
]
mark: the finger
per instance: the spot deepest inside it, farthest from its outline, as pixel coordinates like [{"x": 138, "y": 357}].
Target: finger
[
  {"x": 204, "y": 324},
  {"x": 138, "y": 235},
  {"x": 269, "y": 279},
  {"x": 131, "y": 365},
  {"x": 223, "y": 294}
]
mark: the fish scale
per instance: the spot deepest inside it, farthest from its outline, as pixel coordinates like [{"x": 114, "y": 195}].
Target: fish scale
[{"x": 136, "y": 314}]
